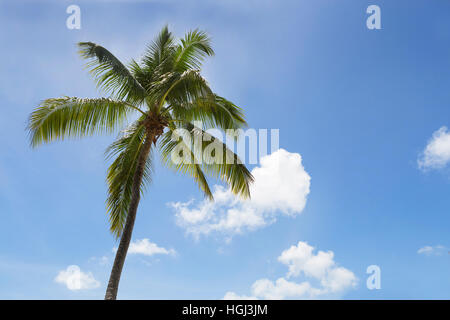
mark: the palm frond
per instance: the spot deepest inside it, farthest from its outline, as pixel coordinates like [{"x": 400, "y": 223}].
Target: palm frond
[
  {"x": 168, "y": 145},
  {"x": 226, "y": 166},
  {"x": 110, "y": 74},
  {"x": 177, "y": 88},
  {"x": 158, "y": 57},
  {"x": 194, "y": 47},
  {"x": 143, "y": 75},
  {"x": 212, "y": 111},
  {"x": 188, "y": 87},
  {"x": 60, "y": 118},
  {"x": 125, "y": 150}
]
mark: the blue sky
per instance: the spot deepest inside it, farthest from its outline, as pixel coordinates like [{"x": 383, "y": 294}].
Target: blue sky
[{"x": 360, "y": 106}]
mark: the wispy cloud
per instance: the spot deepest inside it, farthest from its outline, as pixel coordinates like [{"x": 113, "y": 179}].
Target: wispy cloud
[
  {"x": 102, "y": 261},
  {"x": 147, "y": 248},
  {"x": 433, "y": 250}
]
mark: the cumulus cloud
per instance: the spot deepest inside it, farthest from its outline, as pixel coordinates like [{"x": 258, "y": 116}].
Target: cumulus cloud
[
  {"x": 145, "y": 247},
  {"x": 281, "y": 187},
  {"x": 324, "y": 277},
  {"x": 437, "y": 152},
  {"x": 432, "y": 250},
  {"x": 74, "y": 279},
  {"x": 300, "y": 258}
]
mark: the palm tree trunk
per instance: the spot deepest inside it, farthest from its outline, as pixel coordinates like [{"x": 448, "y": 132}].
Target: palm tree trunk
[{"x": 113, "y": 284}]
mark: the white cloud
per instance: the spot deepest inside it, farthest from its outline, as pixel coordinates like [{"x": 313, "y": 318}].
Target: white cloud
[
  {"x": 103, "y": 261},
  {"x": 281, "y": 289},
  {"x": 337, "y": 280},
  {"x": 234, "y": 296},
  {"x": 437, "y": 152},
  {"x": 75, "y": 279},
  {"x": 318, "y": 268},
  {"x": 432, "y": 250},
  {"x": 300, "y": 258},
  {"x": 281, "y": 187},
  {"x": 145, "y": 247}
]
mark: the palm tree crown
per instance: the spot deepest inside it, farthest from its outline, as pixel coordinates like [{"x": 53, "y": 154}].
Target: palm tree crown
[{"x": 169, "y": 93}]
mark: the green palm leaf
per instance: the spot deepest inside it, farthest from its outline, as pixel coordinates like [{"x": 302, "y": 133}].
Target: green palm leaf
[
  {"x": 167, "y": 145},
  {"x": 59, "y": 118},
  {"x": 110, "y": 74},
  {"x": 193, "y": 49},
  {"x": 186, "y": 88},
  {"x": 228, "y": 168},
  {"x": 212, "y": 110},
  {"x": 158, "y": 57},
  {"x": 125, "y": 150}
]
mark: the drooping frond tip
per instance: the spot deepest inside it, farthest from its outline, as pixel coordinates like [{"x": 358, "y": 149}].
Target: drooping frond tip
[
  {"x": 227, "y": 167},
  {"x": 59, "y": 118},
  {"x": 111, "y": 74}
]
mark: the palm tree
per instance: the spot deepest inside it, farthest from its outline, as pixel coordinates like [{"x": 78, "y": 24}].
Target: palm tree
[{"x": 168, "y": 93}]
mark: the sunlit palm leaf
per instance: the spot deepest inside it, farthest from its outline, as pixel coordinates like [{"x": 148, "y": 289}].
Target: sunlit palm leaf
[
  {"x": 188, "y": 87},
  {"x": 60, "y": 118},
  {"x": 177, "y": 88},
  {"x": 167, "y": 146},
  {"x": 190, "y": 54},
  {"x": 212, "y": 111},
  {"x": 236, "y": 174},
  {"x": 228, "y": 168}
]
